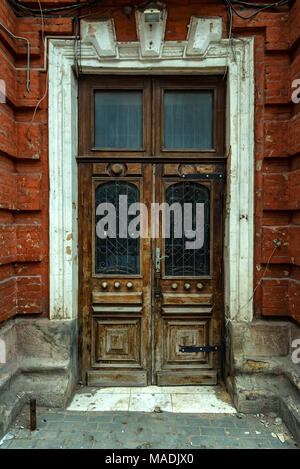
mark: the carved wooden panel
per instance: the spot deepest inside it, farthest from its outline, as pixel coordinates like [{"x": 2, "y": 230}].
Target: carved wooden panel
[
  {"x": 187, "y": 311},
  {"x": 185, "y": 333},
  {"x": 117, "y": 169},
  {"x": 117, "y": 297},
  {"x": 117, "y": 310},
  {"x": 187, "y": 299},
  {"x": 108, "y": 378},
  {"x": 116, "y": 341}
]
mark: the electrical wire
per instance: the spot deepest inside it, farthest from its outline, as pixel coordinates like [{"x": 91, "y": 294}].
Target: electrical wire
[
  {"x": 257, "y": 5},
  {"x": 265, "y": 7},
  {"x": 262, "y": 276},
  {"x": 43, "y": 23},
  {"x": 231, "y": 9},
  {"x": 28, "y": 53},
  {"x": 46, "y": 10},
  {"x": 38, "y": 103},
  {"x": 58, "y": 12}
]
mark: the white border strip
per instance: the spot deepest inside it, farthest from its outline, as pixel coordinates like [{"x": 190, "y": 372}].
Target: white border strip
[{"x": 63, "y": 136}]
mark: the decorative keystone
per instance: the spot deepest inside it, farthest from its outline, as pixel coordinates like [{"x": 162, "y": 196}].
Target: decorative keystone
[
  {"x": 151, "y": 35},
  {"x": 203, "y": 31},
  {"x": 101, "y": 34}
]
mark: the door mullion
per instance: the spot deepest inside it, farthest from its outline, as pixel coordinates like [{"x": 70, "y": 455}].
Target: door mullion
[
  {"x": 153, "y": 120},
  {"x": 153, "y": 197}
]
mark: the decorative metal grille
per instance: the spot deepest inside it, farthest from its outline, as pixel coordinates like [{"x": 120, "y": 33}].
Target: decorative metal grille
[
  {"x": 117, "y": 255},
  {"x": 181, "y": 261}
]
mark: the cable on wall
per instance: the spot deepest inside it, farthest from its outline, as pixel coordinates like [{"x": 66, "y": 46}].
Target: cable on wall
[
  {"x": 16, "y": 5},
  {"x": 28, "y": 53},
  {"x": 277, "y": 245},
  {"x": 260, "y": 8},
  {"x": 22, "y": 10},
  {"x": 231, "y": 10}
]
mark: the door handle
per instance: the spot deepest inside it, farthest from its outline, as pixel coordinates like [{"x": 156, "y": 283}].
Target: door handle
[
  {"x": 157, "y": 287},
  {"x": 158, "y": 258}
]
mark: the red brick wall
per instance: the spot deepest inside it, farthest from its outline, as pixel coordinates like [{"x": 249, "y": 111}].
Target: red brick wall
[
  {"x": 277, "y": 151},
  {"x": 24, "y": 158},
  {"x": 24, "y": 185}
]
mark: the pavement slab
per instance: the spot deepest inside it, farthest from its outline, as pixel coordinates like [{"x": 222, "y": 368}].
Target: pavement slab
[{"x": 63, "y": 429}]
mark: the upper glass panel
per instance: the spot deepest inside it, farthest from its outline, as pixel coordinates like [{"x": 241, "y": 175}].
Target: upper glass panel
[
  {"x": 188, "y": 120},
  {"x": 119, "y": 119}
]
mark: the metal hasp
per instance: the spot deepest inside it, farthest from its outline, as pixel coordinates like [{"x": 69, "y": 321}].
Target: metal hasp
[
  {"x": 203, "y": 176},
  {"x": 205, "y": 348}
]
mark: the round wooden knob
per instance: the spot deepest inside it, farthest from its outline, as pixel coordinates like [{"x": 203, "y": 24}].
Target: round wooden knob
[
  {"x": 187, "y": 286},
  {"x": 117, "y": 285},
  {"x": 117, "y": 169},
  {"x": 129, "y": 285},
  {"x": 174, "y": 286},
  {"x": 104, "y": 285},
  {"x": 200, "y": 286}
]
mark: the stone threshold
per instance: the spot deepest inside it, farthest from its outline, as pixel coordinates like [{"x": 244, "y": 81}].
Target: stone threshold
[{"x": 179, "y": 399}]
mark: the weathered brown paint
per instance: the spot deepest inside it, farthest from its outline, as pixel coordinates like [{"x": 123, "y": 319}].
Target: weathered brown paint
[{"x": 133, "y": 337}]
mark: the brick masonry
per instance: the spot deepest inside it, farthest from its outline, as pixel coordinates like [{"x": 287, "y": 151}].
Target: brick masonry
[{"x": 24, "y": 177}]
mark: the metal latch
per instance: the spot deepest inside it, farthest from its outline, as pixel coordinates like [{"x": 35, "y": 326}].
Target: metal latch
[{"x": 205, "y": 348}]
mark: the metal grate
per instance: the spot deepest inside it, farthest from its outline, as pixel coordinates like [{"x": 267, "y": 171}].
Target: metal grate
[
  {"x": 180, "y": 261},
  {"x": 117, "y": 255}
]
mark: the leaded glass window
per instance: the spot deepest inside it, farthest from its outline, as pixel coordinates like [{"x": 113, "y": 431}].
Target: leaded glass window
[
  {"x": 120, "y": 254},
  {"x": 180, "y": 261}
]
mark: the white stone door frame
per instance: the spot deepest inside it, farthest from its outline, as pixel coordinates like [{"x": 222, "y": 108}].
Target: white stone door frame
[{"x": 203, "y": 53}]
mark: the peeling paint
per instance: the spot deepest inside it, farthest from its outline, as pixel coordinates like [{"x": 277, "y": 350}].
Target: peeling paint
[{"x": 259, "y": 165}]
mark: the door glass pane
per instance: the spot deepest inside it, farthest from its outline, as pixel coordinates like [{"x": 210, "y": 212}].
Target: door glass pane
[
  {"x": 115, "y": 251},
  {"x": 119, "y": 119},
  {"x": 179, "y": 260},
  {"x": 188, "y": 120}
]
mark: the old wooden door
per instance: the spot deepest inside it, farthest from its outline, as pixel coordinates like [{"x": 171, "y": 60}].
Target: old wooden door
[
  {"x": 150, "y": 282},
  {"x": 115, "y": 278},
  {"x": 188, "y": 291}
]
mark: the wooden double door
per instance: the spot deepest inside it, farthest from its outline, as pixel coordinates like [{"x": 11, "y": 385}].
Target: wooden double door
[
  {"x": 150, "y": 280},
  {"x": 151, "y": 287}
]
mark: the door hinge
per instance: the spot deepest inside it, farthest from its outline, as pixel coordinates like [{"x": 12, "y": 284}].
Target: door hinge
[{"x": 205, "y": 348}]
